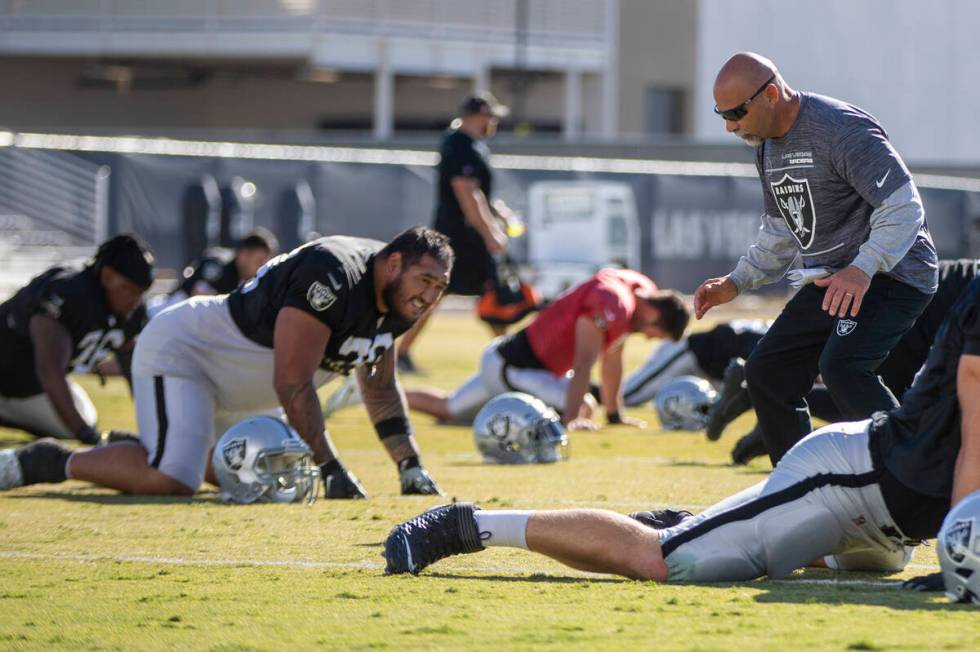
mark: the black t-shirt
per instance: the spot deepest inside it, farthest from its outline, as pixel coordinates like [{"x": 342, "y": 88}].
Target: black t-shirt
[
  {"x": 77, "y": 300},
  {"x": 714, "y": 349},
  {"x": 214, "y": 273},
  {"x": 918, "y": 441},
  {"x": 460, "y": 156},
  {"x": 331, "y": 279}
]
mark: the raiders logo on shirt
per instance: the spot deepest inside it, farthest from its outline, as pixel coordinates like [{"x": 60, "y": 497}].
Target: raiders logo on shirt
[{"x": 320, "y": 296}]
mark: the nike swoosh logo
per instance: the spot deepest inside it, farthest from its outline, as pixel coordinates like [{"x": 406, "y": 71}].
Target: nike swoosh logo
[{"x": 881, "y": 181}]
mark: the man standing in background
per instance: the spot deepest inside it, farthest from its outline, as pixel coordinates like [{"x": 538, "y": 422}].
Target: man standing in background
[{"x": 464, "y": 210}]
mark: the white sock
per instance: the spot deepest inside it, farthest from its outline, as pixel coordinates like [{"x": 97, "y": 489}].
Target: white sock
[
  {"x": 68, "y": 465},
  {"x": 10, "y": 473},
  {"x": 504, "y": 527}
]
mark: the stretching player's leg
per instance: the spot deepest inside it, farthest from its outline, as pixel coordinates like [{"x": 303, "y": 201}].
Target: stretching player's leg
[{"x": 804, "y": 511}]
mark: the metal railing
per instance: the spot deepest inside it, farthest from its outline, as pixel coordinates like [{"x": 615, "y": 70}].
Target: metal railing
[{"x": 569, "y": 23}]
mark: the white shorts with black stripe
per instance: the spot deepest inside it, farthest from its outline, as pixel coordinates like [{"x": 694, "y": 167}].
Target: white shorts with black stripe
[
  {"x": 821, "y": 499},
  {"x": 194, "y": 376},
  {"x": 495, "y": 377},
  {"x": 669, "y": 360}
]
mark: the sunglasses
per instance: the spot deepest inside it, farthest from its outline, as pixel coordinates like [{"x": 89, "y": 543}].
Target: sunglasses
[{"x": 736, "y": 114}]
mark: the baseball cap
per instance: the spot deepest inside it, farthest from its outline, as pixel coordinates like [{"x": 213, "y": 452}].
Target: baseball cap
[
  {"x": 483, "y": 103},
  {"x": 130, "y": 256}
]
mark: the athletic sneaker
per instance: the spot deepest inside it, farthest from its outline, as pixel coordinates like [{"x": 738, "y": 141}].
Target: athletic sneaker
[
  {"x": 749, "y": 447},
  {"x": 661, "y": 519},
  {"x": 347, "y": 394},
  {"x": 733, "y": 402},
  {"x": 416, "y": 481},
  {"x": 433, "y": 535},
  {"x": 342, "y": 484}
]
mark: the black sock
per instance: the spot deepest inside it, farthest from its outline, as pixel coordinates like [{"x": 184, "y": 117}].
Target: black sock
[
  {"x": 43, "y": 461},
  {"x": 408, "y": 463},
  {"x": 329, "y": 468}
]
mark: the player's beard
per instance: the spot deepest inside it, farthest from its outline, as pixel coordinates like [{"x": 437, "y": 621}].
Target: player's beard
[{"x": 390, "y": 295}]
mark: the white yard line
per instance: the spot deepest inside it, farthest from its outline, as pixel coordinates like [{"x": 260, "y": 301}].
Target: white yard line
[{"x": 369, "y": 565}]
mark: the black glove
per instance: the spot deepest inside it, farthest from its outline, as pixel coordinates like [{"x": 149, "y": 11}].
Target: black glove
[
  {"x": 930, "y": 582},
  {"x": 88, "y": 435},
  {"x": 338, "y": 482}
]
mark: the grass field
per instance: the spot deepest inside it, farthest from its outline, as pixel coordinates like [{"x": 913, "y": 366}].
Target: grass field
[{"x": 82, "y": 568}]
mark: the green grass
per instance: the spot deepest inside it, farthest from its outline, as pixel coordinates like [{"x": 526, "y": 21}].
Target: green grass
[{"x": 82, "y": 568}]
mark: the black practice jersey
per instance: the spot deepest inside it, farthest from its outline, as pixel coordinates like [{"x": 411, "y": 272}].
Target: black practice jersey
[
  {"x": 918, "y": 441},
  {"x": 214, "y": 273},
  {"x": 714, "y": 349},
  {"x": 460, "y": 156},
  {"x": 331, "y": 279},
  {"x": 76, "y": 299}
]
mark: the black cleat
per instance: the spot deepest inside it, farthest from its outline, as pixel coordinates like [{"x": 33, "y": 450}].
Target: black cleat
[
  {"x": 661, "y": 519},
  {"x": 733, "y": 402},
  {"x": 749, "y": 447},
  {"x": 342, "y": 484},
  {"x": 433, "y": 535}
]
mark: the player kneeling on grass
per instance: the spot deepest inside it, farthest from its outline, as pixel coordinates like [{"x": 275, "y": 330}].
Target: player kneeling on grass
[
  {"x": 69, "y": 319},
  {"x": 331, "y": 307},
  {"x": 860, "y": 492},
  {"x": 587, "y": 323}
]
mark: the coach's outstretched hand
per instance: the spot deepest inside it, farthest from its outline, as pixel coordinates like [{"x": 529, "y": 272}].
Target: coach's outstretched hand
[
  {"x": 713, "y": 292},
  {"x": 930, "y": 582}
]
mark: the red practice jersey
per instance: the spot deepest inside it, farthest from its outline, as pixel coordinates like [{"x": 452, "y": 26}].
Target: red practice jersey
[{"x": 607, "y": 299}]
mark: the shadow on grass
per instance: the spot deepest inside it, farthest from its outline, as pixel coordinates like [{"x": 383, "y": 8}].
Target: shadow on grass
[
  {"x": 867, "y": 589},
  {"x": 536, "y": 578},
  {"x": 119, "y": 499}
]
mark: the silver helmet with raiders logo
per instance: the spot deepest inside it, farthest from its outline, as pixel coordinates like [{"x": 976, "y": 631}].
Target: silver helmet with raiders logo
[
  {"x": 959, "y": 550},
  {"x": 517, "y": 428},
  {"x": 263, "y": 459},
  {"x": 684, "y": 403}
]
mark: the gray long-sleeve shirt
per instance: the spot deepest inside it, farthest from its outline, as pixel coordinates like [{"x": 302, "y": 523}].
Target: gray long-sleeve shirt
[{"x": 837, "y": 194}]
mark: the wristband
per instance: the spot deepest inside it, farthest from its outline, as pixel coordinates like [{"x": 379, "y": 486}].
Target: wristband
[{"x": 613, "y": 418}]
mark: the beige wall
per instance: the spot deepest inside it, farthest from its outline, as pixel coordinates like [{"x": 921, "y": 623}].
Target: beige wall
[
  {"x": 46, "y": 94},
  {"x": 657, "y": 48}
]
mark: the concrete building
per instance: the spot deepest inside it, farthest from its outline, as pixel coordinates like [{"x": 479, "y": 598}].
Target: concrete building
[{"x": 626, "y": 72}]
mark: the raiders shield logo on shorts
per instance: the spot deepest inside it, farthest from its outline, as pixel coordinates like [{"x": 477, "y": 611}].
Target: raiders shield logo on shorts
[
  {"x": 796, "y": 207},
  {"x": 320, "y": 296}
]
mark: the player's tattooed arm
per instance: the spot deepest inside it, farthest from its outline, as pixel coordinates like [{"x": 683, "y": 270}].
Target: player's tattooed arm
[
  {"x": 386, "y": 406},
  {"x": 298, "y": 342},
  {"x": 52, "y": 355}
]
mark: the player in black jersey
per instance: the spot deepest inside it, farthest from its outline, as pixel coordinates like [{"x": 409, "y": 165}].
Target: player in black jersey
[
  {"x": 220, "y": 270},
  {"x": 861, "y": 493},
  {"x": 69, "y": 319},
  {"x": 897, "y": 371},
  {"x": 333, "y": 306}
]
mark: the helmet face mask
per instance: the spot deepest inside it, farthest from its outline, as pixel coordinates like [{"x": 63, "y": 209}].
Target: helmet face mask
[
  {"x": 958, "y": 548},
  {"x": 263, "y": 459},
  {"x": 516, "y": 428},
  {"x": 684, "y": 403}
]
